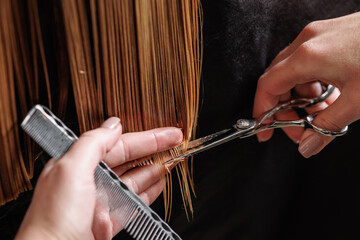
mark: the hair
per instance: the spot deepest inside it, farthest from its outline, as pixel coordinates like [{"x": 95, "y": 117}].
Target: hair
[
  {"x": 21, "y": 87},
  {"x": 139, "y": 60}
]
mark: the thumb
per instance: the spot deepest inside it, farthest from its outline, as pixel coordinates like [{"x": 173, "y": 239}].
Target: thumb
[
  {"x": 92, "y": 146},
  {"x": 334, "y": 118}
]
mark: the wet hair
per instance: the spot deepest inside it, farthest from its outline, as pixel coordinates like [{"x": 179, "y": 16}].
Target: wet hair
[{"x": 139, "y": 60}]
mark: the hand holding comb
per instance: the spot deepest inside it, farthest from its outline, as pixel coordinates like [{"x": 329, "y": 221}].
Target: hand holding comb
[{"x": 112, "y": 193}]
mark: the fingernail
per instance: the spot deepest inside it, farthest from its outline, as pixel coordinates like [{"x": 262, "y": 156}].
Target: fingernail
[
  {"x": 111, "y": 123},
  {"x": 311, "y": 145}
]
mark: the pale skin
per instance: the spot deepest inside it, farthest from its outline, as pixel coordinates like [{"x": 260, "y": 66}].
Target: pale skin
[
  {"x": 326, "y": 52},
  {"x": 64, "y": 201}
]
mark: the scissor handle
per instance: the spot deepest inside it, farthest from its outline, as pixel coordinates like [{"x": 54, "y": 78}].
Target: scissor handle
[
  {"x": 296, "y": 103},
  {"x": 302, "y": 122}
]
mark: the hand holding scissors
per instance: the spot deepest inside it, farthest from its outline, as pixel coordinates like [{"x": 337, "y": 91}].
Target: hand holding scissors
[{"x": 248, "y": 127}]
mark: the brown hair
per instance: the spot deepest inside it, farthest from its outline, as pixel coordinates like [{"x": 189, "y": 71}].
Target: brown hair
[
  {"x": 139, "y": 60},
  {"x": 21, "y": 85}
]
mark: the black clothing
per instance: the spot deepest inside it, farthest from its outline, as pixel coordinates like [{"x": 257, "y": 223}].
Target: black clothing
[{"x": 251, "y": 190}]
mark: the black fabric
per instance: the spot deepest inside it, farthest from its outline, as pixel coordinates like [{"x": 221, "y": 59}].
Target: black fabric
[{"x": 246, "y": 189}]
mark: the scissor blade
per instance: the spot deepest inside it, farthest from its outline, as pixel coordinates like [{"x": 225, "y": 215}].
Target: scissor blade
[
  {"x": 200, "y": 141},
  {"x": 210, "y": 141}
]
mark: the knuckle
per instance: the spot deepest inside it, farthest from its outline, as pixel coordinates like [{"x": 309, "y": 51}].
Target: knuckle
[
  {"x": 313, "y": 28},
  {"x": 283, "y": 51},
  {"x": 262, "y": 82},
  {"x": 94, "y": 141},
  {"x": 132, "y": 184},
  {"x": 157, "y": 142},
  {"x": 304, "y": 57},
  {"x": 328, "y": 124},
  {"x": 88, "y": 134},
  {"x": 306, "y": 50},
  {"x": 60, "y": 171},
  {"x": 145, "y": 197},
  {"x": 124, "y": 150}
]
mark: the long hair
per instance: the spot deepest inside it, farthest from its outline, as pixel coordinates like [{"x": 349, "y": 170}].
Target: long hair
[
  {"x": 139, "y": 60},
  {"x": 23, "y": 79}
]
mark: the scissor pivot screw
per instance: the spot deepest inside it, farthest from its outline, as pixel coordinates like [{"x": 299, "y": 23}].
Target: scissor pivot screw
[{"x": 244, "y": 123}]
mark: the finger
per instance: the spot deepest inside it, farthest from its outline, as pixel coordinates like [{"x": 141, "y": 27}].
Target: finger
[
  {"x": 262, "y": 103},
  {"x": 323, "y": 105},
  {"x": 294, "y": 133},
  {"x": 312, "y": 90},
  {"x": 312, "y": 143},
  {"x": 121, "y": 169},
  {"x": 152, "y": 193},
  {"x": 283, "y": 77},
  {"x": 141, "y": 178},
  {"x": 308, "y": 90},
  {"x": 149, "y": 195},
  {"x": 266, "y": 135},
  {"x": 338, "y": 115},
  {"x": 310, "y": 31},
  {"x": 132, "y": 146},
  {"x": 307, "y": 64},
  {"x": 296, "y": 69},
  {"x": 92, "y": 146},
  {"x": 102, "y": 227},
  {"x": 49, "y": 165}
]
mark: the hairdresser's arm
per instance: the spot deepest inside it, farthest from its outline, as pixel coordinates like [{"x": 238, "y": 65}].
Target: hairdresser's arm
[
  {"x": 64, "y": 203},
  {"x": 325, "y": 51}
]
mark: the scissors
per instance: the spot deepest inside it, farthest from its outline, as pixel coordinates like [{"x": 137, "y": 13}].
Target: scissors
[{"x": 248, "y": 127}]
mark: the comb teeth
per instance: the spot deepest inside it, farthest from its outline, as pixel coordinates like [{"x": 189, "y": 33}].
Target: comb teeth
[
  {"x": 138, "y": 219},
  {"x": 141, "y": 226},
  {"x": 124, "y": 206}
]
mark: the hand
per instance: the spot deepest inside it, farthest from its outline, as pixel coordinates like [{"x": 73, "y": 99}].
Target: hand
[
  {"x": 325, "y": 51},
  {"x": 64, "y": 202}
]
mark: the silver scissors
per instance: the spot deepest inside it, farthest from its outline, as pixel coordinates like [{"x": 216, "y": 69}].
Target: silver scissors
[{"x": 249, "y": 127}]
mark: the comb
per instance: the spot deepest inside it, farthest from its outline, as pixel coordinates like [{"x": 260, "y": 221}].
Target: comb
[{"x": 124, "y": 206}]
